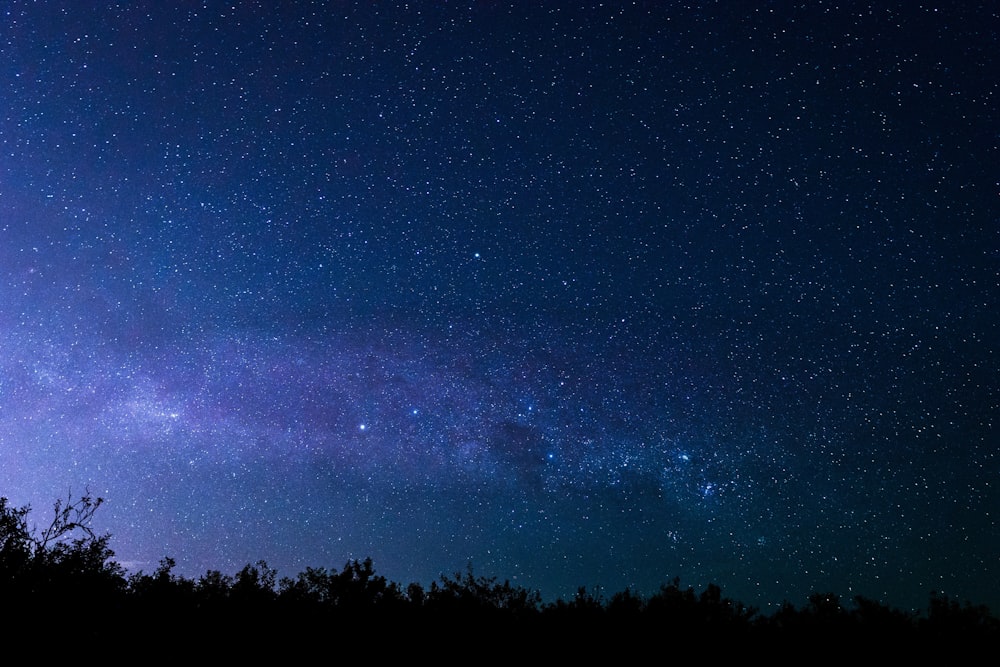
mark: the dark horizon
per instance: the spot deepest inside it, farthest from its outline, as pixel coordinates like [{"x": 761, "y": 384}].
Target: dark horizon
[{"x": 65, "y": 565}]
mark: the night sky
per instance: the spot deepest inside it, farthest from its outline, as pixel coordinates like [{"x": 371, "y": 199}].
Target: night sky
[{"x": 579, "y": 294}]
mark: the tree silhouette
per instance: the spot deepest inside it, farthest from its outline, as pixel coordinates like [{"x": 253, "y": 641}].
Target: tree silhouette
[
  {"x": 63, "y": 568},
  {"x": 62, "y": 584},
  {"x": 467, "y": 595},
  {"x": 20, "y": 544},
  {"x": 15, "y": 543},
  {"x": 947, "y": 616}
]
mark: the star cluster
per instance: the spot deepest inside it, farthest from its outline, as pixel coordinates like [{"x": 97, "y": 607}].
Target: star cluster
[{"x": 584, "y": 295}]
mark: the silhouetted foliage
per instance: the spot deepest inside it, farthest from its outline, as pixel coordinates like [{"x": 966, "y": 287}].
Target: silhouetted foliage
[
  {"x": 63, "y": 576},
  {"x": 355, "y": 592},
  {"x": 62, "y": 571},
  {"x": 468, "y": 596},
  {"x": 947, "y": 617}
]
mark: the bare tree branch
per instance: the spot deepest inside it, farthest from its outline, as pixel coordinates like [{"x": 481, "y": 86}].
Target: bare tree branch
[{"x": 68, "y": 516}]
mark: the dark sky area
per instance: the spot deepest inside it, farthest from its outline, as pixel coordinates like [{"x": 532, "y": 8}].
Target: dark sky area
[{"x": 581, "y": 294}]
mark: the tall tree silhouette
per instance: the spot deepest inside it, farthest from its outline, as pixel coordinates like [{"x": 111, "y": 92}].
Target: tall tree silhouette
[{"x": 64, "y": 568}]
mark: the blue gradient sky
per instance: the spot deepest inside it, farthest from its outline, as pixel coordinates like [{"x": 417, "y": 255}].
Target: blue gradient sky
[{"x": 583, "y": 295}]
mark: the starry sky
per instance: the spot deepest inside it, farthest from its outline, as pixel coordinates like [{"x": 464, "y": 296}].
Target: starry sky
[{"x": 580, "y": 294}]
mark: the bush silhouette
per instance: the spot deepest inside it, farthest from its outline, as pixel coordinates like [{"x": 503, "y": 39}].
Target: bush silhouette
[{"x": 62, "y": 582}]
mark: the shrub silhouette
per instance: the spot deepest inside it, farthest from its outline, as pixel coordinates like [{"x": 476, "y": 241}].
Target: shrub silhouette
[
  {"x": 65, "y": 558},
  {"x": 62, "y": 582}
]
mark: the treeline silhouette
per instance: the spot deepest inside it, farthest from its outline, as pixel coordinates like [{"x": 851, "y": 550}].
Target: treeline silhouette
[{"x": 63, "y": 581}]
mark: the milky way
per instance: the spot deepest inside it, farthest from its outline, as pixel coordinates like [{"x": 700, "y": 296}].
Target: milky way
[{"x": 589, "y": 295}]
